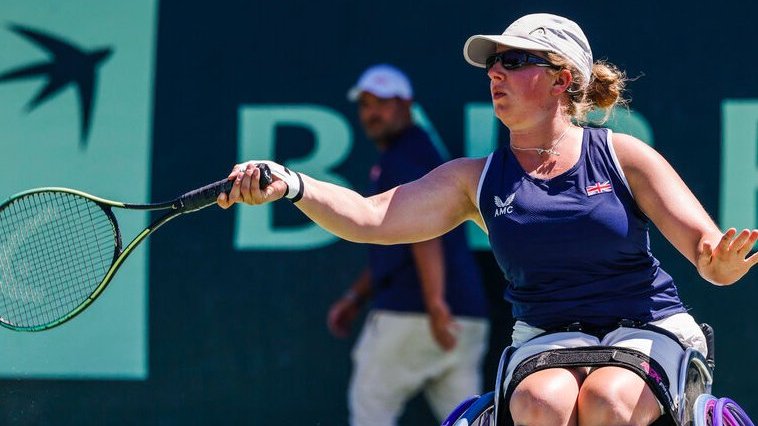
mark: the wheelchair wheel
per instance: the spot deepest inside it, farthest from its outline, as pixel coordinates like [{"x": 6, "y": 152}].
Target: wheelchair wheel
[
  {"x": 712, "y": 411},
  {"x": 703, "y": 413},
  {"x": 728, "y": 413},
  {"x": 480, "y": 412},
  {"x": 459, "y": 410}
]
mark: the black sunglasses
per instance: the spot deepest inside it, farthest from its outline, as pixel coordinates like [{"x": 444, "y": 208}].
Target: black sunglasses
[{"x": 515, "y": 59}]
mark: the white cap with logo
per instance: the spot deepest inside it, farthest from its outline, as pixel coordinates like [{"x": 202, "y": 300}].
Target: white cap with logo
[
  {"x": 383, "y": 81},
  {"x": 540, "y": 32}
]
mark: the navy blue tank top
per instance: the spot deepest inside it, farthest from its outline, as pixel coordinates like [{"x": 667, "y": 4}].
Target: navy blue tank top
[{"x": 574, "y": 247}]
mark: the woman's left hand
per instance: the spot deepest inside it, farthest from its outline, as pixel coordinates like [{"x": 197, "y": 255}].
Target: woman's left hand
[{"x": 726, "y": 263}]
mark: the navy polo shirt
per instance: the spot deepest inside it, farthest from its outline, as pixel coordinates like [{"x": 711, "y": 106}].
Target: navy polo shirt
[{"x": 395, "y": 279}]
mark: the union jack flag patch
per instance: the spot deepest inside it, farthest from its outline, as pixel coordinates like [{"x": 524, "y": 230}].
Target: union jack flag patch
[{"x": 599, "y": 188}]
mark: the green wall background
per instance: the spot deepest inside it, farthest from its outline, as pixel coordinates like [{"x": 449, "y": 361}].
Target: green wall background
[{"x": 220, "y": 318}]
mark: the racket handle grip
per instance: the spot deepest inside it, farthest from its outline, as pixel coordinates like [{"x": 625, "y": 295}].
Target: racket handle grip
[{"x": 203, "y": 197}]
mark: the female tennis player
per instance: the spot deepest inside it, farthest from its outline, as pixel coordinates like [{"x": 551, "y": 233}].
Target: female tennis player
[{"x": 567, "y": 210}]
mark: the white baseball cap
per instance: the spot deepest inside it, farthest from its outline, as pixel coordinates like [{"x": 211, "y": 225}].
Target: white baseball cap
[
  {"x": 540, "y": 32},
  {"x": 384, "y": 81}
]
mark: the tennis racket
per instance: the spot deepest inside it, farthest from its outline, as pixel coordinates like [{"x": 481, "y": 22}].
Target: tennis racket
[{"x": 59, "y": 249}]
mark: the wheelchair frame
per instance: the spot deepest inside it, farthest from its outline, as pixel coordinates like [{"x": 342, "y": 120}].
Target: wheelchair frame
[{"x": 694, "y": 388}]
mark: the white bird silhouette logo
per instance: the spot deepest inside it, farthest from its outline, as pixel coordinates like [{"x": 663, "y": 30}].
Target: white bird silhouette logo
[{"x": 500, "y": 204}]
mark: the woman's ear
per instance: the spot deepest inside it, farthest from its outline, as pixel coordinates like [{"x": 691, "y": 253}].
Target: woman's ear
[{"x": 562, "y": 82}]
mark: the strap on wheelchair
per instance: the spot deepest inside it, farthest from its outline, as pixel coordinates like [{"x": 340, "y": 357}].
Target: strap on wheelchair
[
  {"x": 599, "y": 356},
  {"x": 600, "y": 332}
]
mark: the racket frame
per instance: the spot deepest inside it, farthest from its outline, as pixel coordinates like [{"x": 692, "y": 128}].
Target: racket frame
[
  {"x": 120, "y": 253},
  {"x": 187, "y": 203}
]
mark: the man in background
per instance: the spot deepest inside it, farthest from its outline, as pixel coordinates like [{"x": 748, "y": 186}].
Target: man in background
[{"x": 426, "y": 330}]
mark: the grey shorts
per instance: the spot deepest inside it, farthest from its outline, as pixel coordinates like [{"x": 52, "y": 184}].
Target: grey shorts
[{"x": 660, "y": 347}]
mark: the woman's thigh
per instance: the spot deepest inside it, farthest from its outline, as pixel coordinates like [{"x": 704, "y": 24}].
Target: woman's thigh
[
  {"x": 615, "y": 395},
  {"x": 548, "y": 397}
]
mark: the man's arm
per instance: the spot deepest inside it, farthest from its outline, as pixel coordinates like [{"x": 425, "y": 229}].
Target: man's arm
[
  {"x": 429, "y": 257},
  {"x": 344, "y": 311}
]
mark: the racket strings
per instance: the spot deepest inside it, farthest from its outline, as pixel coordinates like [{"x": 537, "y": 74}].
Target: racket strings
[{"x": 55, "y": 248}]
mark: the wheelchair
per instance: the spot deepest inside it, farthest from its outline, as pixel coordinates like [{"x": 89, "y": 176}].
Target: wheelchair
[{"x": 695, "y": 405}]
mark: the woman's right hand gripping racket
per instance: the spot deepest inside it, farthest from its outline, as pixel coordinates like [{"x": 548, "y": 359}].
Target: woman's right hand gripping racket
[{"x": 59, "y": 249}]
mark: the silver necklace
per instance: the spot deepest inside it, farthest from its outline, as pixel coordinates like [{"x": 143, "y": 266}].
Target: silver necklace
[{"x": 550, "y": 151}]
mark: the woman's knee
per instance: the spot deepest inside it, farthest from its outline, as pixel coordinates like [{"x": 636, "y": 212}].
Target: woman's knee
[
  {"x": 616, "y": 396},
  {"x": 546, "y": 397}
]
